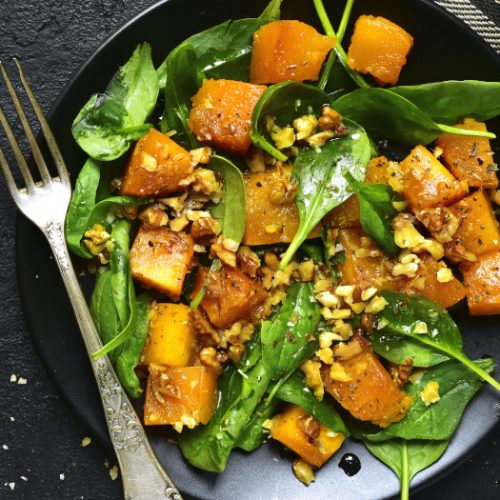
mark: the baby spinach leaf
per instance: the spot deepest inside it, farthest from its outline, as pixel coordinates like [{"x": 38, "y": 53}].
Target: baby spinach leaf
[
  {"x": 286, "y": 335},
  {"x": 295, "y": 391},
  {"x": 404, "y": 314},
  {"x": 284, "y": 101},
  {"x": 253, "y": 434},
  {"x": 376, "y": 212},
  {"x": 321, "y": 182},
  {"x": 80, "y": 207},
  {"x": 130, "y": 351},
  {"x": 312, "y": 251},
  {"x": 253, "y": 352},
  {"x": 272, "y": 11},
  {"x": 182, "y": 83},
  {"x": 407, "y": 458},
  {"x": 448, "y": 101},
  {"x": 386, "y": 114},
  {"x": 457, "y": 386},
  {"x": 109, "y": 122},
  {"x": 231, "y": 209}
]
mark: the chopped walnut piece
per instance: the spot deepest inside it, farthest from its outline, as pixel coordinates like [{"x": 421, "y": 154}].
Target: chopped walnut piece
[
  {"x": 303, "y": 471},
  {"x": 97, "y": 239},
  {"x": 164, "y": 386},
  {"x": 202, "y": 180},
  {"x": 310, "y": 427},
  {"x": 212, "y": 358},
  {"x": 248, "y": 261},
  {"x": 313, "y": 380},
  {"x": 441, "y": 222},
  {"x": 305, "y": 126},
  {"x": 218, "y": 249},
  {"x": 203, "y": 326},
  {"x": 255, "y": 160},
  {"x": 235, "y": 352},
  {"x": 177, "y": 203},
  {"x": 153, "y": 216},
  {"x": 200, "y": 155},
  {"x": 329, "y": 118},
  {"x": 205, "y": 228},
  {"x": 283, "y": 191},
  {"x": 404, "y": 373}
]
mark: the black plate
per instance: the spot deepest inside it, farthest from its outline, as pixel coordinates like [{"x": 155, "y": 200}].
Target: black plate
[{"x": 444, "y": 49}]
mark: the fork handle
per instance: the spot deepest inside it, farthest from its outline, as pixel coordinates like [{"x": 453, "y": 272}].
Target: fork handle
[{"x": 142, "y": 475}]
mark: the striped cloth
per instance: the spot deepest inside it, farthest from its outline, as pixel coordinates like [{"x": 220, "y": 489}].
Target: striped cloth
[{"x": 488, "y": 27}]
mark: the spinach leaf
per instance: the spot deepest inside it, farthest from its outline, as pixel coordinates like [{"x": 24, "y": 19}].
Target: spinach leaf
[
  {"x": 253, "y": 434},
  {"x": 272, "y": 11},
  {"x": 407, "y": 458},
  {"x": 285, "y": 336},
  {"x": 376, "y": 212},
  {"x": 321, "y": 182},
  {"x": 438, "y": 421},
  {"x": 102, "y": 212},
  {"x": 295, "y": 391},
  {"x": 448, "y": 101},
  {"x": 253, "y": 351},
  {"x": 231, "y": 209},
  {"x": 131, "y": 349},
  {"x": 312, "y": 251},
  {"x": 386, "y": 114},
  {"x": 182, "y": 83},
  {"x": 284, "y": 101},
  {"x": 404, "y": 314},
  {"x": 209, "y": 447},
  {"x": 107, "y": 123},
  {"x": 80, "y": 207}
]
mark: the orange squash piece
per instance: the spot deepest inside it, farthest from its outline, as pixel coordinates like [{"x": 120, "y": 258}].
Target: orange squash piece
[
  {"x": 365, "y": 265},
  {"x": 156, "y": 167},
  {"x": 230, "y": 295},
  {"x": 271, "y": 214},
  {"x": 180, "y": 395},
  {"x": 160, "y": 259},
  {"x": 482, "y": 280},
  {"x": 427, "y": 284},
  {"x": 221, "y": 114},
  {"x": 470, "y": 158},
  {"x": 288, "y": 428},
  {"x": 379, "y": 47},
  {"x": 371, "y": 394},
  {"x": 347, "y": 214},
  {"x": 288, "y": 50},
  {"x": 427, "y": 183},
  {"x": 171, "y": 340},
  {"x": 478, "y": 231}
]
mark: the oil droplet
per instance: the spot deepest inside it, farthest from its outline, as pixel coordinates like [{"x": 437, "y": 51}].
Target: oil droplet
[{"x": 350, "y": 464}]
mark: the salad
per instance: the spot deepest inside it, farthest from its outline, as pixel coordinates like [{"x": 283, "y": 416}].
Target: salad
[{"x": 265, "y": 267}]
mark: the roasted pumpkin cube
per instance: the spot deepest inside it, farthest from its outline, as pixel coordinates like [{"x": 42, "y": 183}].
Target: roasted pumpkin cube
[
  {"x": 288, "y": 50},
  {"x": 230, "y": 295},
  {"x": 160, "y": 259},
  {"x": 156, "y": 167},
  {"x": 427, "y": 183},
  {"x": 312, "y": 441},
  {"x": 434, "y": 283},
  {"x": 222, "y": 112},
  {"x": 371, "y": 393},
  {"x": 379, "y": 47},
  {"x": 365, "y": 265},
  {"x": 180, "y": 396},
  {"x": 482, "y": 280},
  {"x": 470, "y": 158},
  {"x": 347, "y": 214},
  {"x": 478, "y": 230},
  {"x": 271, "y": 214},
  {"x": 171, "y": 340}
]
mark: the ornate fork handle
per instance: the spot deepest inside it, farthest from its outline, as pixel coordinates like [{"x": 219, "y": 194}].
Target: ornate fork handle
[{"x": 142, "y": 475}]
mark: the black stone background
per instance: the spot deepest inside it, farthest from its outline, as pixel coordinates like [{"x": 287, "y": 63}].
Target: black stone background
[{"x": 42, "y": 443}]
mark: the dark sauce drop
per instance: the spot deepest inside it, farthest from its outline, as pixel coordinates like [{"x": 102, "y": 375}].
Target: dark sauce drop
[{"x": 350, "y": 464}]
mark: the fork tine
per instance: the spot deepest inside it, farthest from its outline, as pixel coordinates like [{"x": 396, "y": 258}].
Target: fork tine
[
  {"x": 37, "y": 154},
  {"x": 11, "y": 183},
  {"x": 23, "y": 166},
  {"x": 47, "y": 132}
]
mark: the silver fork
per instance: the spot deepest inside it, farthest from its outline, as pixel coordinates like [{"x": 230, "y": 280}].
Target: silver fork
[{"x": 45, "y": 203}]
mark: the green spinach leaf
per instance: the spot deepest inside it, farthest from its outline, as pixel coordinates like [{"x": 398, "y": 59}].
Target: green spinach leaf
[
  {"x": 448, "y": 101},
  {"x": 321, "y": 182},
  {"x": 272, "y": 11},
  {"x": 376, "y": 212},
  {"x": 109, "y": 122},
  {"x": 438, "y": 421},
  {"x": 286, "y": 335},
  {"x": 407, "y": 458},
  {"x": 386, "y": 114},
  {"x": 406, "y": 315},
  {"x": 284, "y": 101}
]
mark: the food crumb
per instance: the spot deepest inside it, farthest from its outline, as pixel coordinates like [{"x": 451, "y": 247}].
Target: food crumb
[
  {"x": 106, "y": 463},
  {"x": 62, "y": 477},
  {"x": 24, "y": 478},
  {"x": 22, "y": 381},
  {"x": 13, "y": 378},
  {"x": 85, "y": 442},
  {"x": 12, "y": 419},
  {"x": 113, "y": 472},
  {"x": 5, "y": 447},
  {"x": 12, "y": 486}
]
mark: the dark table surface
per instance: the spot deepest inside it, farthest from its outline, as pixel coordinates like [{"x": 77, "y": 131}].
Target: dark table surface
[{"x": 41, "y": 454}]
